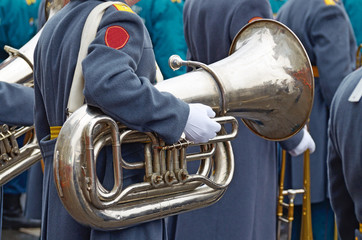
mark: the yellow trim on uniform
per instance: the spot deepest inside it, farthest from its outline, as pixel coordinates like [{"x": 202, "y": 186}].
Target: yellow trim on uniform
[
  {"x": 54, "y": 132},
  {"x": 123, "y": 7},
  {"x": 29, "y": 2},
  {"x": 329, "y": 2},
  {"x": 360, "y": 227},
  {"x": 315, "y": 71}
]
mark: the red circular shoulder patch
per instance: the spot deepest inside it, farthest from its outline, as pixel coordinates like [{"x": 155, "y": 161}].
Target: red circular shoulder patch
[{"x": 116, "y": 37}]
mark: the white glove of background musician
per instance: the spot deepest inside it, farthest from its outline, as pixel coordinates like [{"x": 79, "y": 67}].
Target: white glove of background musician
[
  {"x": 200, "y": 128},
  {"x": 307, "y": 142}
]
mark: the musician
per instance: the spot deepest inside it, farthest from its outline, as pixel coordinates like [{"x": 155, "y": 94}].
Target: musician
[
  {"x": 345, "y": 157},
  {"x": 163, "y": 19},
  {"x": 247, "y": 210},
  {"x": 18, "y": 24},
  {"x": 118, "y": 74},
  {"x": 326, "y": 33}
]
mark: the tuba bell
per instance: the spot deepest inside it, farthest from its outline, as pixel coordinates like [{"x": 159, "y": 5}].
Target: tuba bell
[
  {"x": 266, "y": 80},
  {"x": 18, "y": 69}
]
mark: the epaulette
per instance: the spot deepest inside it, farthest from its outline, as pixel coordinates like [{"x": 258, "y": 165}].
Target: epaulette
[
  {"x": 123, "y": 7},
  {"x": 356, "y": 93},
  {"x": 29, "y": 2},
  {"x": 331, "y": 2}
]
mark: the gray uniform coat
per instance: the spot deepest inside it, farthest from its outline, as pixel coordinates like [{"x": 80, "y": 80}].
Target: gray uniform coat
[{"x": 345, "y": 158}]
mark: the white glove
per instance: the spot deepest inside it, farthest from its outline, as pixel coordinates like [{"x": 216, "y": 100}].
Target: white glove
[
  {"x": 307, "y": 142},
  {"x": 200, "y": 128}
]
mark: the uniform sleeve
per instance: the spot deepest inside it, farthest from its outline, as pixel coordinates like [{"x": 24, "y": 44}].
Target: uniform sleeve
[
  {"x": 340, "y": 198},
  {"x": 113, "y": 84},
  {"x": 331, "y": 40},
  {"x": 42, "y": 127},
  {"x": 17, "y": 104},
  {"x": 292, "y": 142}
]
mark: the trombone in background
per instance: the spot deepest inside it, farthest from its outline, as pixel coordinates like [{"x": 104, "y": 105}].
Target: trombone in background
[{"x": 306, "y": 232}]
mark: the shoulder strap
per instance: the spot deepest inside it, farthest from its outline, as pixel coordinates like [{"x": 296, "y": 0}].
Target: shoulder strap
[
  {"x": 76, "y": 97},
  {"x": 357, "y": 92}
]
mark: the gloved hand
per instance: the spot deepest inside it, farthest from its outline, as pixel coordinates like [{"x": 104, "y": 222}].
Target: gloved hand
[
  {"x": 307, "y": 142},
  {"x": 200, "y": 128}
]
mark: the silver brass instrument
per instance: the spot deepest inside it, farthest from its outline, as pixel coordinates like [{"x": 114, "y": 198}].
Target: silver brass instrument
[
  {"x": 267, "y": 81},
  {"x": 18, "y": 68},
  {"x": 12, "y": 159}
]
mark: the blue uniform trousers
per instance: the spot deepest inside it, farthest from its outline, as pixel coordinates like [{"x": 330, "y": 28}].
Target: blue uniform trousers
[{"x": 34, "y": 193}]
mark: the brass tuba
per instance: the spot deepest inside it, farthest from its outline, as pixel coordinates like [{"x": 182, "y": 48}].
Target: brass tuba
[
  {"x": 267, "y": 81},
  {"x": 18, "y": 68}
]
